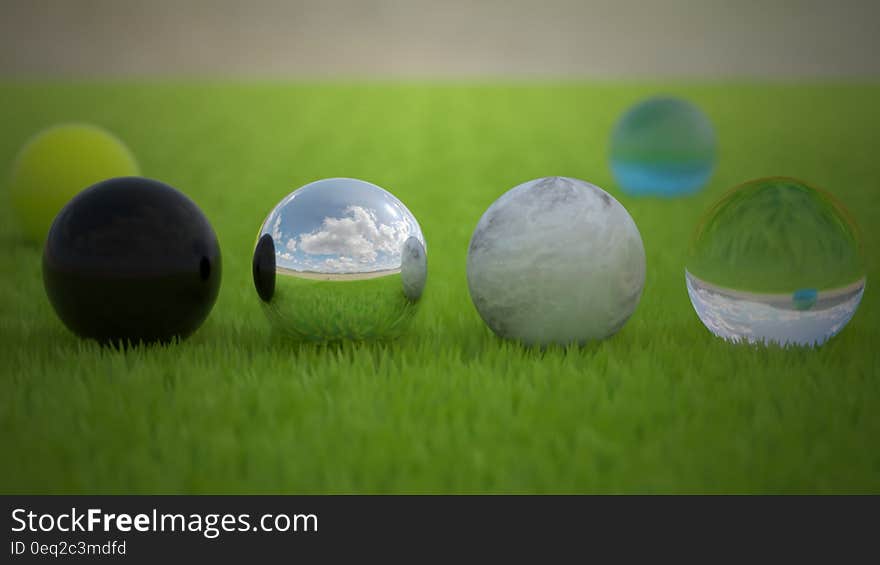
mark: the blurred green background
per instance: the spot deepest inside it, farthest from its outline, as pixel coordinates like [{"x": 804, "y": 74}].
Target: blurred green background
[{"x": 661, "y": 407}]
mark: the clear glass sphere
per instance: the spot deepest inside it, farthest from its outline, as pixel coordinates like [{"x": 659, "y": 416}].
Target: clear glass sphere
[
  {"x": 776, "y": 261},
  {"x": 340, "y": 259},
  {"x": 663, "y": 147}
]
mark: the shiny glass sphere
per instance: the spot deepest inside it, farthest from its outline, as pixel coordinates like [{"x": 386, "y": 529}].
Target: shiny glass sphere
[
  {"x": 340, "y": 259},
  {"x": 776, "y": 261}
]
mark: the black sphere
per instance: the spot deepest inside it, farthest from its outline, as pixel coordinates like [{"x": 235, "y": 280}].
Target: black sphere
[
  {"x": 264, "y": 268},
  {"x": 131, "y": 259}
]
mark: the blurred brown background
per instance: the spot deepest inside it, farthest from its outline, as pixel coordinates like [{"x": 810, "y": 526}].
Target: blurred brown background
[{"x": 424, "y": 38}]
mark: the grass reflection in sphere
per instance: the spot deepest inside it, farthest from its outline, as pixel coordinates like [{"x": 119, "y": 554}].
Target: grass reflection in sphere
[
  {"x": 340, "y": 259},
  {"x": 556, "y": 261},
  {"x": 776, "y": 261},
  {"x": 131, "y": 259},
  {"x": 662, "y": 147}
]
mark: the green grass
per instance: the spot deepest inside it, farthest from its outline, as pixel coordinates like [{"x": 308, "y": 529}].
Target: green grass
[
  {"x": 320, "y": 310},
  {"x": 661, "y": 407}
]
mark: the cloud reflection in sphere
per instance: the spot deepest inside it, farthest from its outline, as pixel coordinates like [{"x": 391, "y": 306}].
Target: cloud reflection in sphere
[{"x": 340, "y": 259}]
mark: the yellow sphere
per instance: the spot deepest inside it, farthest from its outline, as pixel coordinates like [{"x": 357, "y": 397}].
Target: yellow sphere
[{"x": 58, "y": 163}]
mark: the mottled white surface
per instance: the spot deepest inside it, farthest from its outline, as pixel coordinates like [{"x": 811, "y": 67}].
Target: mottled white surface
[
  {"x": 556, "y": 260},
  {"x": 766, "y": 318}
]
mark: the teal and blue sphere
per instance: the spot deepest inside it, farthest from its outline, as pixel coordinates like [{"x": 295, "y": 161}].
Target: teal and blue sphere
[{"x": 663, "y": 147}]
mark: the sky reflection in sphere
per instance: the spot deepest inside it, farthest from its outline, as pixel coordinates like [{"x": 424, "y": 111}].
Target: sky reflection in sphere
[{"x": 340, "y": 226}]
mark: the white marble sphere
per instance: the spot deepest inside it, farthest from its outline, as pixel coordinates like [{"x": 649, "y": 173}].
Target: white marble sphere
[{"x": 556, "y": 261}]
